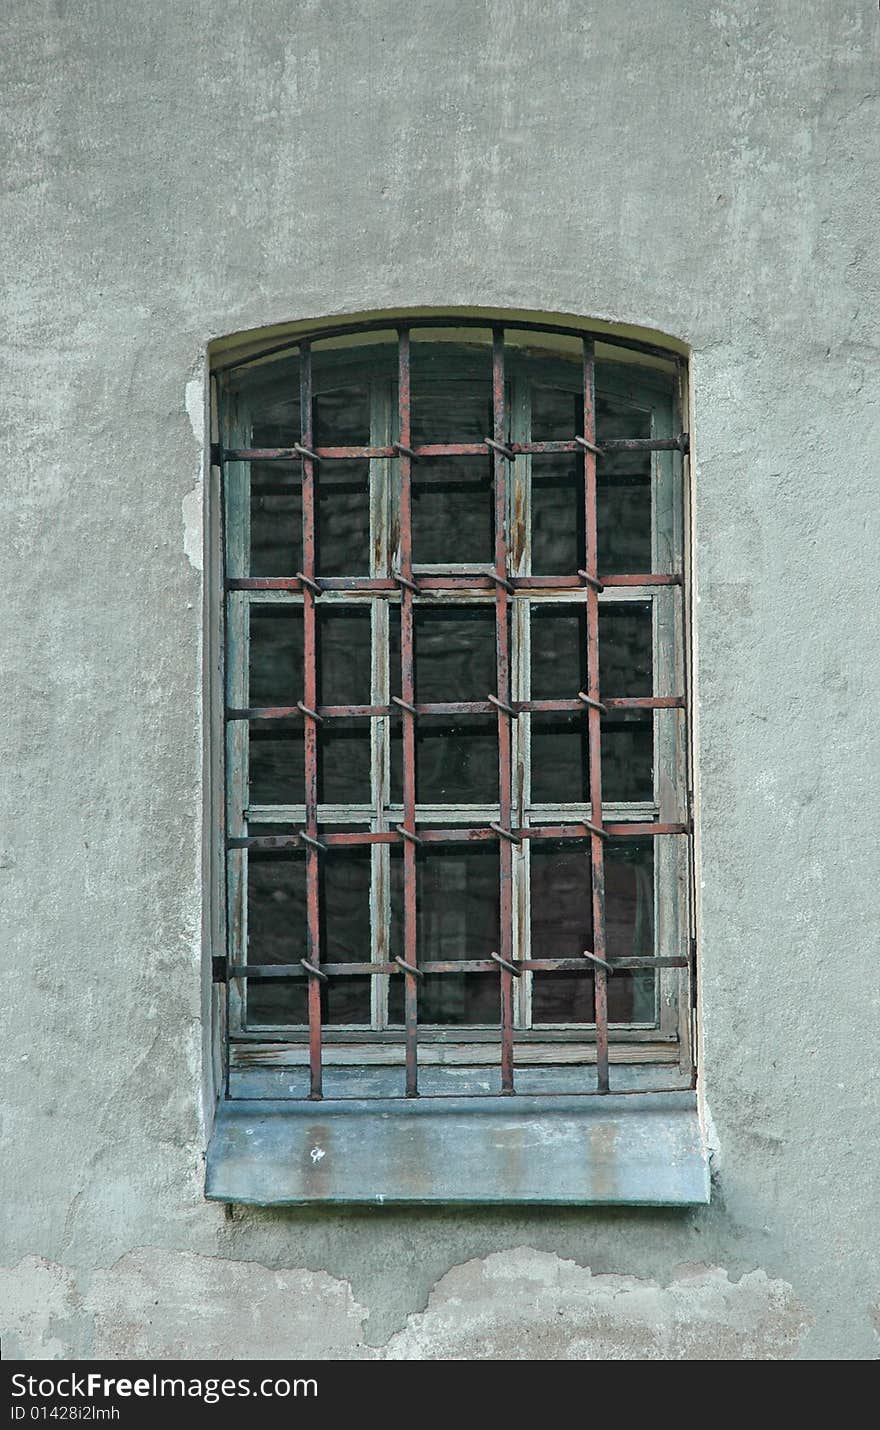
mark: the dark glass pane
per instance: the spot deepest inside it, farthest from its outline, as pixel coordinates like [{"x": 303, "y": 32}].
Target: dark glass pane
[
  {"x": 344, "y": 761},
  {"x": 624, "y": 527},
  {"x": 343, "y": 655},
  {"x": 562, "y": 919},
  {"x": 270, "y": 396},
  {"x": 448, "y": 409},
  {"x": 457, "y": 759},
  {"x": 557, "y": 415},
  {"x": 342, "y": 417},
  {"x": 452, "y": 511},
  {"x": 276, "y": 519},
  {"x": 343, "y": 519},
  {"x": 277, "y": 762},
  {"x": 558, "y": 651},
  {"x": 457, "y": 917},
  {"x": 628, "y": 756},
  {"x": 276, "y": 655},
  {"x": 276, "y": 927},
  {"x": 557, "y": 515},
  {"x": 562, "y": 927},
  {"x": 629, "y": 928},
  {"x": 624, "y": 490},
  {"x": 626, "y": 660},
  {"x": 560, "y": 759},
  {"x": 623, "y": 495},
  {"x": 345, "y": 931},
  {"x": 454, "y": 654}
]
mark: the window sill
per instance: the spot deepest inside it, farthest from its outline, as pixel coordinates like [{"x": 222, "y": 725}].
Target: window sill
[{"x": 561, "y": 1150}]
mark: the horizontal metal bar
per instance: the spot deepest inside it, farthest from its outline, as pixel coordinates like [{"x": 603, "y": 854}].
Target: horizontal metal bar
[
  {"x": 510, "y": 450},
  {"x": 480, "y": 834},
  {"x": 455, "y": 707},
  {"x": 370, "y": 969},
  {"x": 454, "y": 581}
]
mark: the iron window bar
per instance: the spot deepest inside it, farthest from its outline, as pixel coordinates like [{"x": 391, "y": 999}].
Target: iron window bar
[{"x": 402, "y": 587}]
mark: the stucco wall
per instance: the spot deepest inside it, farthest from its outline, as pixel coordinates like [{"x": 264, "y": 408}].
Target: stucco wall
[{"x": 181, "y": 171}]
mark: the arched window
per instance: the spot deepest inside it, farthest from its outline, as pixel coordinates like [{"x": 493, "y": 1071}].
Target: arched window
[{"x": 457, "y": 820}]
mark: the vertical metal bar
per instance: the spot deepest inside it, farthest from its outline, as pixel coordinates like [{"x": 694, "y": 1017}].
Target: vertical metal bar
[
  {"x": 520, "y": 561},
  {"x": 502, "y": 661},
  {"x": 594, "y": 728},
  {"x": 381, "y": 434},
  {"x": 411, "y": 1011},
  {"x": 310, "y": 700}
]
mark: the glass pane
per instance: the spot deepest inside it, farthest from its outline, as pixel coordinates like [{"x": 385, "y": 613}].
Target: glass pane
[
  {"x": 562, "y": 926},
  {"x": 624, "y": 490},
  {"x": 343, "y": 519},
  {"x": 628, "y": 756},
  {"x": 629, "y": 928},
  {"x": 560, "y": 759},
  {"x": 342, "y": 417},
  {"x": 277, "y": 762},
  {"x": 276, "y": 654},
  {"x": 623, "y": 495},
  {"x": 457, "y": 918},
  {"x": 343, "y": 655},
  {"x": 344, "y": 761},
  {"x": 558, "y": 651},
  {"x": 624, "y": 525},
  {"x": 457, "y": 759},
  {"x": 345, "y": 932},
  {"x": 270, "y": 397},
  {"x": 446, "y": 409},
  {"x": 626, "y": 659},
  {"x": 276, "y": 519},
  {"x": 557, "y": 515},
  {"x": 557, "y": 415},
  {"x": 454, "y": 654},
  {"x": 276, "y": 929},
  {"x": 452, "y": 511}
]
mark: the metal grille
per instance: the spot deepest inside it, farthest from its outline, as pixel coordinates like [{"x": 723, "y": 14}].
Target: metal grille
[{"x": 408, "y": 587}]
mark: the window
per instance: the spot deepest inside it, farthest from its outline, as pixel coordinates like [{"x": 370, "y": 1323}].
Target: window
[{"x": 457, "y": 821}]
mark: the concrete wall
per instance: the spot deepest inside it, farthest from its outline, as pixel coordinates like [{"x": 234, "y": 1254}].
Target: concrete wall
[{"x": 180, "y": 171}]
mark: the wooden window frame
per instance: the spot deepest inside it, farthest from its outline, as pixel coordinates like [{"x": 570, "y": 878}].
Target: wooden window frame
[{"x": 668, "y": 1038}]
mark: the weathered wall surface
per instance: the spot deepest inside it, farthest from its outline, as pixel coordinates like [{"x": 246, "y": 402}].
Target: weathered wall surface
[{"x": 176, "y": 172}]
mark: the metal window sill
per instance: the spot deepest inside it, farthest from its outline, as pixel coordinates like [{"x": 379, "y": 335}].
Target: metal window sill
[{"x": 564, "y": 1150}]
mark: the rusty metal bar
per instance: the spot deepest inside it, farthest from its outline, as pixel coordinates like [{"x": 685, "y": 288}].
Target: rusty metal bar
[
  {"x": 307, "y": 706},
  {"x": 480, "y": 833},
  {"x": 509, "y": 450},
  {"x": 454, "y": 581},
  {"x": 590, "y": 573},
  {"x": 455, "y": 707},
  {"x": 404, "y": 578},
  {"x": 502, "y": 455},
  {"x": 447, "y": 965}
]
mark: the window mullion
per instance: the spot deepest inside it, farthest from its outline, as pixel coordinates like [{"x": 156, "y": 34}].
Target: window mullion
[{"x": 236, "y": 432}]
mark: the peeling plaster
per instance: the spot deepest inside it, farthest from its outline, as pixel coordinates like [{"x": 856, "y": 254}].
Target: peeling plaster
[
  {"x": 163, "y": 1305},
  {"x": 520, "y": 1304},
  {"x": 531, "y": 1305}
]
